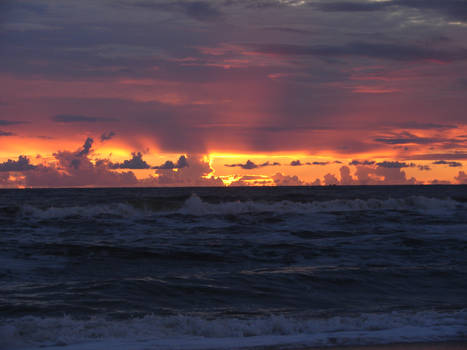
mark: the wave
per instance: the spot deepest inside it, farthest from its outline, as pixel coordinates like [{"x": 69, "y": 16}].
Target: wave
[
  {"x": 195, "y": 206},
  {"x": 91, "y": 211},
  {"x": 192, "y": 332}
]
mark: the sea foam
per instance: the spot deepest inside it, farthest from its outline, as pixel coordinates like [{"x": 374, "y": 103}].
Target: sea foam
[{"x": 191, "y": 332}]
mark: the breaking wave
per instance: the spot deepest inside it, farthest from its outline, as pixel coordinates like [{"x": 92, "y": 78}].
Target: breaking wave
[
  {"x": 197, "y": 207},
  {"x": 190, "y": 332}
]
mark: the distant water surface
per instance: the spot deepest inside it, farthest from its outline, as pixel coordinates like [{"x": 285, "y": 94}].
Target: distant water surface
[{"x": 212, "y": 268}]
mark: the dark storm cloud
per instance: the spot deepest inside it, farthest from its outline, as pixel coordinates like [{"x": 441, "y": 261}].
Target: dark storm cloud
[
  {"x": 6, "y": 133},
  {"x": 203, "y": 11},
  {"x": 10, "y": 122},
  {"x": 395, "y": 165},
  {"x": 107, "y": 136},
  {"x": 136, "y": 162},
  {"x": 385, "y": 51},
  {"x": 251, "y": 165},
  {"x": 72, "y": 118},
  {"x": 181, "y": 163},
  {"x": 450, "y": 164},
  {"x": 22, "y": 164}
]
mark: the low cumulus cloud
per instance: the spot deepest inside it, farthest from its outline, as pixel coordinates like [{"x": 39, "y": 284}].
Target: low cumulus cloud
[
  {"x": 396, "y": 164},
  {"x": 136, "y": 162},
  {"x": 197, "y": 172},
  {"x": 250, "y": 180},
  {"x": 461, "y": 178},
  {"x": 249, "y": 165},
  {"x": 296, "y": 163},
  {"x": 72, "y": 118},
  {"x": 287, "y": 180},
  {"x": 180, "y": 164},
  {"x": 362, "y": 162},
  {"x": 22, "y": 164},
  {"x": 77, "y": 169},
  {"x": 387, "y": 173},
  {"x": 451, "y": 164}
]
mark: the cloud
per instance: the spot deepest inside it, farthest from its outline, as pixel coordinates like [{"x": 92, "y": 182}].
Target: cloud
[
  {"x": 395, "y": 164},
  {"x": 461, "y": 177},
  {"x": 249, "y": 180},
  {"x": 330, "y": 180},
  {"x": 456, "y": 9},
  {"x": 362, "y": 162},
  {"x": 202, "y": 11},
  {"x": 72, "y": 118},
  {"x": 450, "y": 164},
  {"x": 340, "y": 6},
  {"x": 407, "y": 138},
  {"x": 4, "y": 122},
  {"x": 107, "y": 136},
  {"x": 346, "y": 178},
  {"x": 440, "y": 182},
  {"x": 319, "y": 163},
  {"x": 6, "y": 133},
  {"x": 423, "y": 167},
  {"x": 451, "y": 8},
  {"x": 287, "y": 180},
  {"x": 296, "y": 163},
  {"x": 22, "y": 164},
  {"x": 181, "y": 163},
  {"x": 371, "y": 175},
  {"x": 289, "y": 30},
  {"x": 426, "y": 126},
  {"x": 86, "y": 148},
  {"x": 251, "y": 165},
  {"x": 136, "y": 162},
  {"x": 435, "y": 156},
  {"x": 197, "y": 172},
  {"x": 75, "y": 169},
  {"x": 384, "y": 51}
]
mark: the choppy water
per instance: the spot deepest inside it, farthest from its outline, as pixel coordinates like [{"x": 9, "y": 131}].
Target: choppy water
[{"x": 211, "y": 268}]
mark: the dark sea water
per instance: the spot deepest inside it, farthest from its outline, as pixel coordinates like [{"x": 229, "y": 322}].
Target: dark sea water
[{"x": 214, "y": 268}]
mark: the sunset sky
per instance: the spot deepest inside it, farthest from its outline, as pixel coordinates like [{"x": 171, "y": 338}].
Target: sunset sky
[{"x": 232, "y": 92}]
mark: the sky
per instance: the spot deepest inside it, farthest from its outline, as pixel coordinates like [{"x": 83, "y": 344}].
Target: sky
[{"x": 232, "y": 92}]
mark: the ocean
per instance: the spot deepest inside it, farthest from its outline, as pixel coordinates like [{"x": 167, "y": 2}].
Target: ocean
[{"x": 231, "y": 268}]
